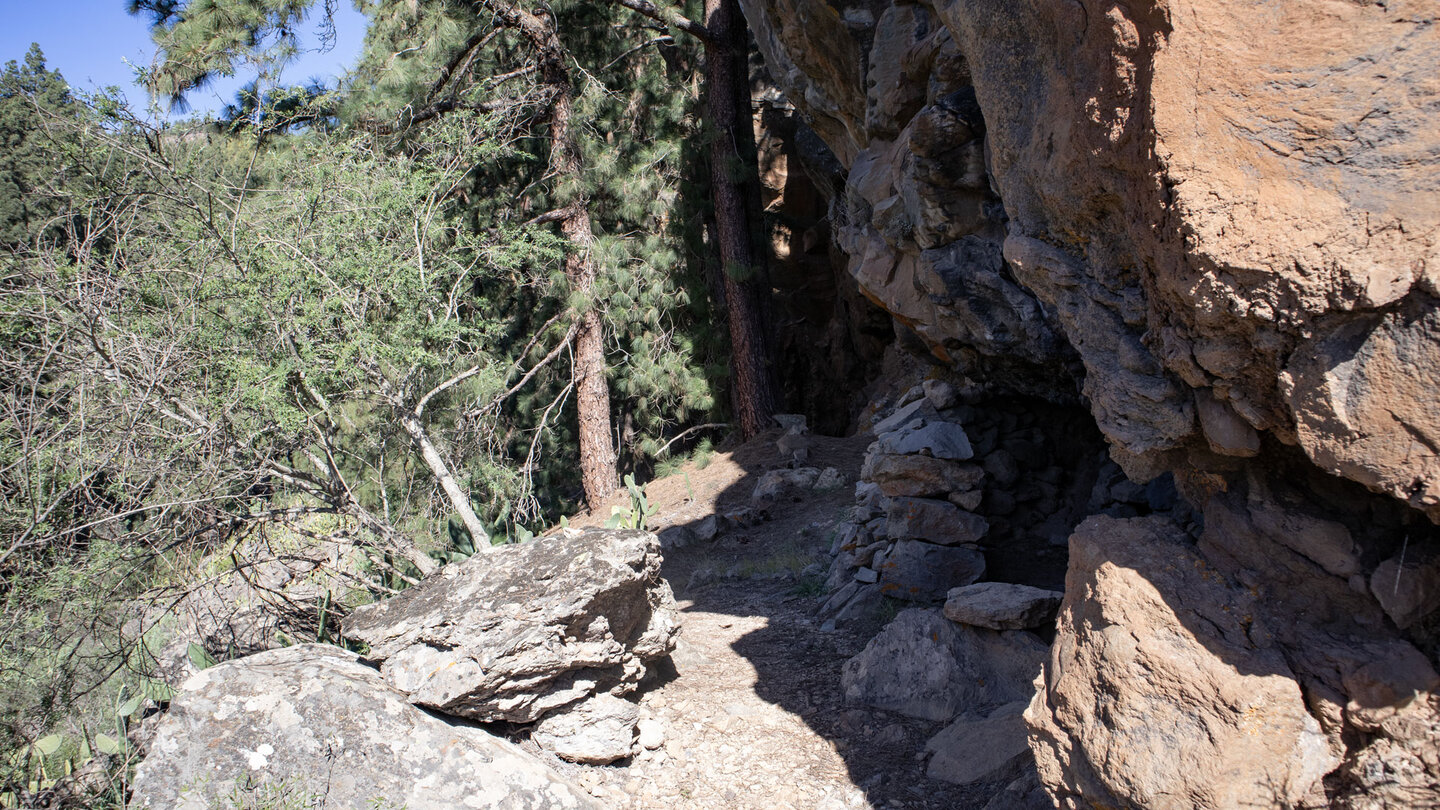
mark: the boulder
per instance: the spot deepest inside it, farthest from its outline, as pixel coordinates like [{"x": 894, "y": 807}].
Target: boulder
[
  {"x": 919, "y": 476},
  {"x": 513, "y": 633},
  {"x": 980, "y": 748},
  {"x": 1002, "y": 605},
  {"x": 1157, "y": 693},
  {"x": 924, "y": 572},
  {"x": 312, "y": 724},
  {"x": 934, "y": 521},
  {"x": 1025, "y": 793},
  {"x": 778, "y": 486},
  {"x": 937, "y": 439},
  {"x": 922, "y": 665},
  {"x": 594, "y": 731}
]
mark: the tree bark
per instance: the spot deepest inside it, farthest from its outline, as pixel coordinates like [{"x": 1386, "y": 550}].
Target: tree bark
[
  {"x": 752, "y": 387},
  {"x": 598, "y": 474}
]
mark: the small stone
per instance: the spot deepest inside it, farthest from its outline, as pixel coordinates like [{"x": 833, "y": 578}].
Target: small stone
[
  {"x": 969, "y": 501},
  {"x": 652, "y": 733},
  {"x": 941, "y": 394},
  {"x": 829, "y": 479},
  {"x": 866, "y": 575},
  {"x": 707, "y": 529},
  {"x": 676, "y": 537}
]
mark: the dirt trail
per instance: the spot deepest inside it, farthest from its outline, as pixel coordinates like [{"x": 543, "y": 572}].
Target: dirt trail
[{"x": 752, "y": 712}]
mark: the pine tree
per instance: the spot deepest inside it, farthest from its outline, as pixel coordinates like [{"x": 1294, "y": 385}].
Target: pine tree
[{"x": 27, "y": 93}]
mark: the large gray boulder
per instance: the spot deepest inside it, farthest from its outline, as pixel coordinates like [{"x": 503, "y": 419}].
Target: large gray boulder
[
  {"x": 923, "y": 665},
  {"x": 519, "y": 631},
  {"x": 297, "y": 726}
]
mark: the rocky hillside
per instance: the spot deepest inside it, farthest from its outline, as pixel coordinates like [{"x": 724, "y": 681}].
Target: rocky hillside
[{"x": 1214, "y": 227}]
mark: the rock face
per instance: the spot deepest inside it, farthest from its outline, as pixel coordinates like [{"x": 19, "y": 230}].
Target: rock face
[
  {"x": 312, "y": 723},
  {"x": 1214, "y": 225},
  {"x": 517, "y": 632}
]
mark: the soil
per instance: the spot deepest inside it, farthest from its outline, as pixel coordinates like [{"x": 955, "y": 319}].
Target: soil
[{"x": 750, "y": 704}]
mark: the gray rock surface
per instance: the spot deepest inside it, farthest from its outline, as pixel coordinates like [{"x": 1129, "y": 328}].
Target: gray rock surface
[
  {"x": 595, "y": 731},
  {"x": 923, "y": 665},
  {"x": 981, "y": 748},
  {"x": 513, "y": 633},
  {"x": 924, "y": 572},
  {"x": 1002, "y": 605},
  {"x": 932, "y": 438},
  {"x": 1408, "y": 589},
  {"x": 311, "y": 723},
  {"x": 934, "y": 521}
]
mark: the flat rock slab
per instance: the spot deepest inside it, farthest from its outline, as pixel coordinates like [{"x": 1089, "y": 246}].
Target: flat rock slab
[
  {"x": 513, "y": 633},
  {"x": 938, "y": 439},
  {"x": 981, "y": 749},
  {"x": 310, "y": 725},
  {"x": 923, "y": 665},
  {"x": 1002, "y": 605}
]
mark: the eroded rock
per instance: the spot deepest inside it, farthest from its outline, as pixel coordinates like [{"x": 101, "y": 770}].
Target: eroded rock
[{"x": 1155, "y": 674}]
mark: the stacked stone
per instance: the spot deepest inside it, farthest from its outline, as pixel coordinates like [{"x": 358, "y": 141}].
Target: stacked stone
[{"x": 915, "y": 533}]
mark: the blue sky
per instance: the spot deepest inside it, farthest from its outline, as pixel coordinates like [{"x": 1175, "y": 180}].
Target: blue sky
[{"x": 88, "y": 41}]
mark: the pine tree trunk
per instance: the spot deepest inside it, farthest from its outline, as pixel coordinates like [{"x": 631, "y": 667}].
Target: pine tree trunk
[
  {"x": 752, "y": 386},
  {"x": 598, "y": 474}
]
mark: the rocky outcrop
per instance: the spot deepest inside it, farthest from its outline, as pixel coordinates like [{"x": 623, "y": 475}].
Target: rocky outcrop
[
  {"x": 525, "y": 629},
  {"x": 313, "y": 725},
  {"x": 1216, "y": 224},
  {"x": 1257, "y": 249}
]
